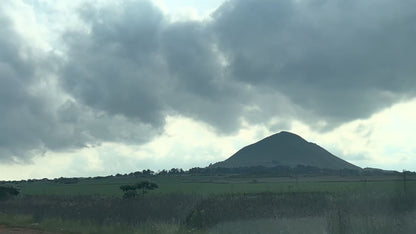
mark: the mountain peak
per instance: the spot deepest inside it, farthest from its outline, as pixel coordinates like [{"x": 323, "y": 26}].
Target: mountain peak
[
  {"x": 285, "y": 134},
  {"x": 284, "y": 148}
]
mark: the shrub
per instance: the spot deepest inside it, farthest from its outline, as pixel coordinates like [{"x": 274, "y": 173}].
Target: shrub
[{"x": 7, "y": 192}]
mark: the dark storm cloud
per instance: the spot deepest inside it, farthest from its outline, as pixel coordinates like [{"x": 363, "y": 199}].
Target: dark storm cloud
[
  {"x": 338, "y": 60},
  {"x": 201, "y": 88},
  {"x": 19, "y": 109},
  {"x": 33, "y": 119},
  {"x": 121, "y": 75},
  {"x": 328, "y": 61},
  {"x": 136, "y": 64},
  {"x": 116, "y": 67}
]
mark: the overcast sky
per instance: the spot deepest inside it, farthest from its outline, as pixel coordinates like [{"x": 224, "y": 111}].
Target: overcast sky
[{"x": 93, "y": 88}]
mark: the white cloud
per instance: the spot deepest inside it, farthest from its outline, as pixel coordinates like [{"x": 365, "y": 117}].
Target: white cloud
[
  {"x": 186, "y": 10},
  {"x": 385, "y": 140},
  {"x": 185, "y": 143}
]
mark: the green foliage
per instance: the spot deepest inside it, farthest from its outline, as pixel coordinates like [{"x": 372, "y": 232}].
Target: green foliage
[
  {"x": 171, "y": 208},
  {"x": 146, "y": 185},
  {"x": 224, "y": 208},
  {"x": 130, "y": 190},
  {"x": 126, "y": 188},
  {"x": 7, "y": 192},
  {"x": 63, "y": 180},
  {"x": 128, "y": 194}
]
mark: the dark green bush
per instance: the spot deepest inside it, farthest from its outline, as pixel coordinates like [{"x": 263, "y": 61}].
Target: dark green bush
[{"x": 7, "y": 192}]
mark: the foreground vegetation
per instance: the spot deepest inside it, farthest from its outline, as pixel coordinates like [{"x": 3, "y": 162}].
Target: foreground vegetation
[{"x": 216, "y": 204}]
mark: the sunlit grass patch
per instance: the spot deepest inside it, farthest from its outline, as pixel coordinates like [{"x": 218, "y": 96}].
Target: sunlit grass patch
[{"x": 16, "y": 220}]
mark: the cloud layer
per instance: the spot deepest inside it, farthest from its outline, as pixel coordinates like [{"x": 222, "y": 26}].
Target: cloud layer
[{"x": 118, "y": 70}]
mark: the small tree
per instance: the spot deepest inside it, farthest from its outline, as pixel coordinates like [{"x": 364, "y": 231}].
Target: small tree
[
  {"x": 7, "y": 192},
  {"x": 130, "y": 190},
  {"x": 146, "y": 185}
]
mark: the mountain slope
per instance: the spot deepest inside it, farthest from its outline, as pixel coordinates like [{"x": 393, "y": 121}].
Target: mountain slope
[{"x": 286, "y": 149}]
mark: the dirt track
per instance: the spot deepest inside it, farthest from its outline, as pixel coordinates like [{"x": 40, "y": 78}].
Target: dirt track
[{"x": 15, "y": 230}]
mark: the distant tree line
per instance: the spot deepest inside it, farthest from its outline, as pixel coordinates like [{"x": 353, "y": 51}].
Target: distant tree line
[
  {"x": 63, "y": 180},
  {"x": 278, "y": 171},
  {"x": 284, "y": 171}
]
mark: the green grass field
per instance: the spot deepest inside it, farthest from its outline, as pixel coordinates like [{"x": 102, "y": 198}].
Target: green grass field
[
  {"x": 217, "y": 204},
  {"x": 207, "y": 185}
]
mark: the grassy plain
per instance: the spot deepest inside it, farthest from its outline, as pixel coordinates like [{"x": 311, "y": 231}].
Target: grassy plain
[
  {"x": 217, "y": 204},
  {"x": 208, "y": 185}
]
